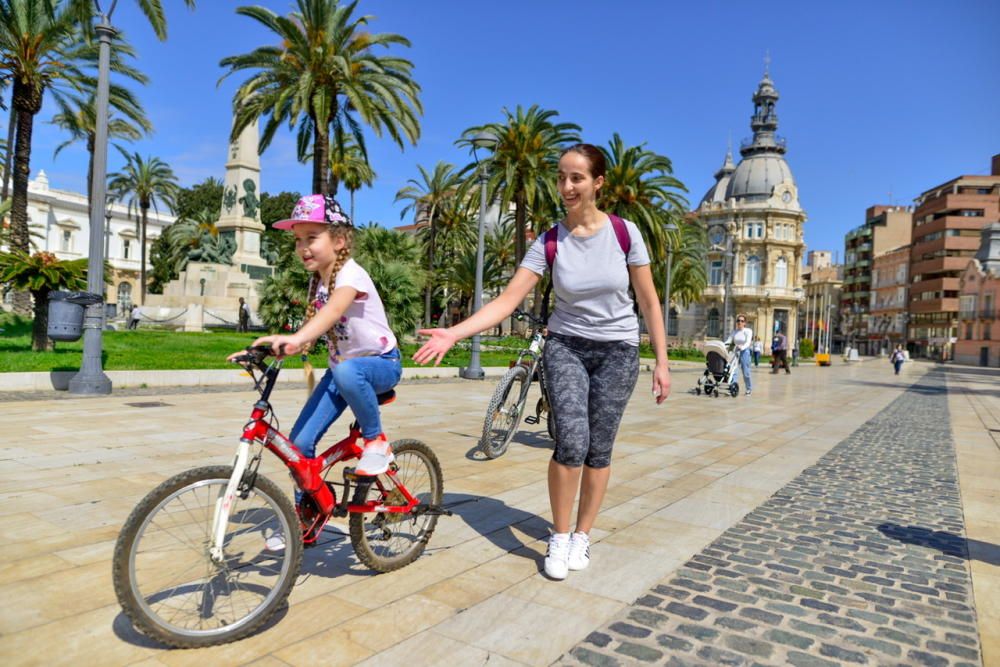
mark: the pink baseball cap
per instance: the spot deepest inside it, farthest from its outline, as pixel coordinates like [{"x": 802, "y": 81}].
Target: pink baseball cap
[{"x": 318, "y": 209}]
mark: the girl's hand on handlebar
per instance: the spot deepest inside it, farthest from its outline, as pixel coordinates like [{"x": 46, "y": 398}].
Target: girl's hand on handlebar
[
  {"x": 661, "y": 382},
  {"x": 441, "y": 340},
  {"x": 281, "y": 345}
]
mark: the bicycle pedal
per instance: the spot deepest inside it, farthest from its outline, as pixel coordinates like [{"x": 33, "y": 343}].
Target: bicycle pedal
[{"x": 531, "y": 419}]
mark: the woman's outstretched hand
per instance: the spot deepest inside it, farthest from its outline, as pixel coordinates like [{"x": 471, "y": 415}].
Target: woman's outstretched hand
[
  {"x": 441, "y": 340},
  {"x": 661, "y": 382}
]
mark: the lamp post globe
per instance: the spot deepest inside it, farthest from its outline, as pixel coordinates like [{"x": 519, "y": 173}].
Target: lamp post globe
[{"x": 485, "y": 141}]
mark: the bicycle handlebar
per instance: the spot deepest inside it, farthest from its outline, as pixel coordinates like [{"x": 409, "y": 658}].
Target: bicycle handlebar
[
  {"x": 523, "y": 315},
  {"x": 256, "y": 354}
]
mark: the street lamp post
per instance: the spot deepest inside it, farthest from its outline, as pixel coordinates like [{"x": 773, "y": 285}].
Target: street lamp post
[
  {"x": 669, "y": 228},
  {"x": 91, "y": 380},
  {"x": 728, "y": 266},
  {"x": 484, "y": 140}
]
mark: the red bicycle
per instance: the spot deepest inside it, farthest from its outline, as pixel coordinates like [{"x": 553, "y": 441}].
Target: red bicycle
[{"x": 192, "y": 565}]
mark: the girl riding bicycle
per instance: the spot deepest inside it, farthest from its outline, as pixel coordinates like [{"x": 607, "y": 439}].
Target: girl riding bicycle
[
  {"x": 592, "y": 352},
  {"x": 344, "y": 305}
]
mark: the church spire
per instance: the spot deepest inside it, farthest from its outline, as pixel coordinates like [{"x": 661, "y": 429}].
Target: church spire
[{"x": 764, "y": 121}]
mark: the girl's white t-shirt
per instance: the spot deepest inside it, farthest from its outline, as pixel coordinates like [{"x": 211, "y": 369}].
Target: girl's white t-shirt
[{"x": 363, "y": 329}]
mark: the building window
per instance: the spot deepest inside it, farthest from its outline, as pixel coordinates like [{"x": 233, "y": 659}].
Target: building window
[
  {"x": 968, "y": 331},
  {"x": 672, "y": 330},
  {"x": 752, "y": 274},
  {"x": 755, "y": 230},
  {"x": 67, "y": 241},
  {"x": 715, "y": 273},
  {"x": 714, "y": 330},
  {"x": 124, "y": 297},
  {"x": 126, "y": 248},
  {"x": 781, "y": 272}
]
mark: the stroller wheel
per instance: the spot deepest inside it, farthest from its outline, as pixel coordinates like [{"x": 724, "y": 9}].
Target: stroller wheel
[
  {"x": 697, "y": 391},
  {"x": 715, "y": 393},
  {"x": 734, "y": 390}
]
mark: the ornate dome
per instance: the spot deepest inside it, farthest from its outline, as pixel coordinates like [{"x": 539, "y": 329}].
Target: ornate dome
[
  {"x": 717, "y": 193},
  {"x": 757, "y": 175}
]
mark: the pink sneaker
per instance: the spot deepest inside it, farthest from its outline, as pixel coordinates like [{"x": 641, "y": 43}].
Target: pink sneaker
[{"x": 376, "y": 458}]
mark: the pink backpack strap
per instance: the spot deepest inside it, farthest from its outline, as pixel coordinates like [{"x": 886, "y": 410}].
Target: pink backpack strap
[{"x": 551, "y": 238}]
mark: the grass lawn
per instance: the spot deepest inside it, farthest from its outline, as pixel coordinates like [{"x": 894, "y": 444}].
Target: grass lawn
[{"x": 155, "y": 349}]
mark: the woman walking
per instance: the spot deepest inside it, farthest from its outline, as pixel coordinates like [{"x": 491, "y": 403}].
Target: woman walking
[
  {"x": 742, "y": 340},
  {"x": 591, "y": 355},
  {"x": 756, "y": 350}
]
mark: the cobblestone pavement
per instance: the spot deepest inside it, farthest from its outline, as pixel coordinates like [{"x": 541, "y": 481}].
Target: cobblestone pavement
[{"x": 860, "y": 560}]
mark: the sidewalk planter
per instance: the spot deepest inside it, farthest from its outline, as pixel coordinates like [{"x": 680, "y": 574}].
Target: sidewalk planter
[
  {"x": 822, "y": 359},
  {"x": 66, "y": 314}
]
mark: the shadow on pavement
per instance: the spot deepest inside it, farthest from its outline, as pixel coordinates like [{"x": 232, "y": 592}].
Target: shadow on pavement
[
  {"x": 124, "y": 630},
  {"x": 494, "y": 520},
  {"x": 535, "y": 439},
  {"x": 946, "y": 543}
]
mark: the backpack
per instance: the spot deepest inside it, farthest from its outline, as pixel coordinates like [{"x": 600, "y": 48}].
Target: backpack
[{"x": 621, "y": 233}]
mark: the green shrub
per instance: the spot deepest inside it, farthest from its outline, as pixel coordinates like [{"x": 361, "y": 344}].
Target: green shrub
[{"x": 806, "y": 350}]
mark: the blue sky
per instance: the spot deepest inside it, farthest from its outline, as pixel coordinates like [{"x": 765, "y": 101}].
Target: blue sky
[{"x": 879, "y": 100}]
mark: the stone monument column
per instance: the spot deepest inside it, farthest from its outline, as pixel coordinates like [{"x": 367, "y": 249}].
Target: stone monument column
[{"x": 240, "y": 216}]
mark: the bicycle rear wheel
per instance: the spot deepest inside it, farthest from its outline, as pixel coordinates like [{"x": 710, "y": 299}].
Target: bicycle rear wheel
[
  {"x": 171, "y": 588},
  {"x": 504, "y": 413},
  {"x": 386, "y": 541}
]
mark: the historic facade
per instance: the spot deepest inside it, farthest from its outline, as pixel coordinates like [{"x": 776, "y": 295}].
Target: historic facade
[
  {"x": 754, "y": 223},
  {"x": 59, "y": 221}
]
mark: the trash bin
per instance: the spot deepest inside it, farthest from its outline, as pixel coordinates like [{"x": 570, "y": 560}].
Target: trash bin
[{"x": 66, "y": 314}]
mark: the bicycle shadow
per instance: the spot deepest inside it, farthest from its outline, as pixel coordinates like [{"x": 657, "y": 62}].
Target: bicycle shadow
[
  {"x": 511, "y": 529},
  {"x": 533, "y": 439}
]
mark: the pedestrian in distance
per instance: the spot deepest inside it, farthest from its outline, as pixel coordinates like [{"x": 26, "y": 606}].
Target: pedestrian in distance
[
  {"x": 779, "y": 353},
  {"x": 756, "y": 350},
  {"x": 134, "y": 316},
  {"x": 343, "y": 305},
  {"x": 795, "y": 351},
  {"x": 742, "y": 341},
  {"x": 243, "y": 323},
  {"x": 897, "y": 358},
  {"x": 591, "y": 353}
]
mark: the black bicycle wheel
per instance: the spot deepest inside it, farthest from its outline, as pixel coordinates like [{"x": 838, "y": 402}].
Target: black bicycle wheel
[
  {"x": 504, "y": 413},
  {"x": 174, "y": 591},
  {"x": 386, "y": 541}
]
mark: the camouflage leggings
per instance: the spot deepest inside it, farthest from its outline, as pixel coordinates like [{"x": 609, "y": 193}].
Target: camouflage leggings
[{"x": 589, "y": 384}]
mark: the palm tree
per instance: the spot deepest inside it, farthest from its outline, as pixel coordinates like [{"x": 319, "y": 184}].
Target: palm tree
[
  {"x": 523, "y": 164},
  {"x": 325, "y": 69},
  {"x": 640, "y": 186},
  {"x": 393, "y": 260},
  {"x": 78, "y": 116},
  {"x": 426, "y": 199},
  {"x": 144, "y": 182},
  {"x": 349, "y": 165}
]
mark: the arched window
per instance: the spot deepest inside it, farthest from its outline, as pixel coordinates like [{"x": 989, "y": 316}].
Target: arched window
[
  {"x": 714, "y": 330},
  {"x": 781, "y": 273},
  {"x": 672, "y": 331},
  {"x": 752, "y": 273},
  {"x": 124, "y": 297}
]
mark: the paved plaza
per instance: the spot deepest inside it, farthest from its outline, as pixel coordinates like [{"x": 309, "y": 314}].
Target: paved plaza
[{"x": 838, "y": 516}]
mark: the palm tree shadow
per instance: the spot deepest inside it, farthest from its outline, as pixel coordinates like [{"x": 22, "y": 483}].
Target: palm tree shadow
[{"x": 947, "y": 543}]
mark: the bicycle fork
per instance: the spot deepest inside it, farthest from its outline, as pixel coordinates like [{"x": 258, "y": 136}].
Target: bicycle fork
[{"x": 224, "y": 503}]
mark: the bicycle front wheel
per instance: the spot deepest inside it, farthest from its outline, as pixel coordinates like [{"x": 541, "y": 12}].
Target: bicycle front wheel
[
  {"x": 386, "y": 541},
  {"x": 504, "y": 413},
  {"x": 169, "y": 585}
]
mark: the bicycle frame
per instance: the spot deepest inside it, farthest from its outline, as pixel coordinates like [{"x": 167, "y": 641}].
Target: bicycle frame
[
  {"x": 533, "y": 353},
  {"x": 308, "y": 473}
]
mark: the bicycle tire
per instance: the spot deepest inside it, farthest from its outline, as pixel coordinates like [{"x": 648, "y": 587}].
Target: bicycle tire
[
  {"x": 497, "y": 436},
  {"x": 137, "y": 605},
  {"x": 366, "y": 527}
]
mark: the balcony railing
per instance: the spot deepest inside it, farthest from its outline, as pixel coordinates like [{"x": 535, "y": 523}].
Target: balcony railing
[
  {"x": 967, "y": 314},
  {"x": 988, "y": 314}
]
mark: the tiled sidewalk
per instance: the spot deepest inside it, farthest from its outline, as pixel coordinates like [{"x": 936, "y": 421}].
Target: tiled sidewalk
[
  {"x": 862, "y": 559},
  {"x": 684, "y": 473}
]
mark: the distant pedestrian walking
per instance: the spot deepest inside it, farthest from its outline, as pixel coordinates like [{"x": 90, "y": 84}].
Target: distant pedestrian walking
[
  {"x": 897, "y": 358},
  {"x": 742, "y": 340},
  {"x": 244, "y": 316},
  {"x": 779, "y": 353},
  {"x": 795, "y": 351},
  {"x": 134, "y": 317},
  {"x": 756, "y": 350}
]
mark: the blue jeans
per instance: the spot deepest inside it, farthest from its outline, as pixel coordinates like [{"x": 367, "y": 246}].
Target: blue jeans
[
  {"x": 745, "y": 367},
  {"x": 355, "y": 383}
]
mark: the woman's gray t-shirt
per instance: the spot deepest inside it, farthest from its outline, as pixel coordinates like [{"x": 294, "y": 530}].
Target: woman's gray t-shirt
[{"x": 590, "y": 281}]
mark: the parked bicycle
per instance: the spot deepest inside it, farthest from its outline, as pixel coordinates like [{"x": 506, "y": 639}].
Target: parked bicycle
[
  {"x": 196, "y": 563},
  {"x": 511, "y": 395}
]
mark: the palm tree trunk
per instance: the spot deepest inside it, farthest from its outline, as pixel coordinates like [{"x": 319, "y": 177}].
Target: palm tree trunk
[
  {"x": 353, "y": 219},
  {"x": 520, "y": 241},
  {"x": 429, "y": 289},
  {"x": 39, "y": 329},
  {"x": 321, "y": 153},
  {"x": 142, "y": 270},
  {"x": 19, "y": 239},
  {"x": 9, "y": 153}
]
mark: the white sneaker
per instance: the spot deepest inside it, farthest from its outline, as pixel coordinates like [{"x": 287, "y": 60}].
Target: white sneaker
[
  {"x": 748, "y": 392},
  {"x": 276, "y": 542},
  {"x": 375, "y": 459},
  {"x": 579, "y": 551},
  {"x": 556, "y": 558}
]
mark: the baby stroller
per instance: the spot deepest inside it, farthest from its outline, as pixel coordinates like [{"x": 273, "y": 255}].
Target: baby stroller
[{"x": 721, "y": 368}]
